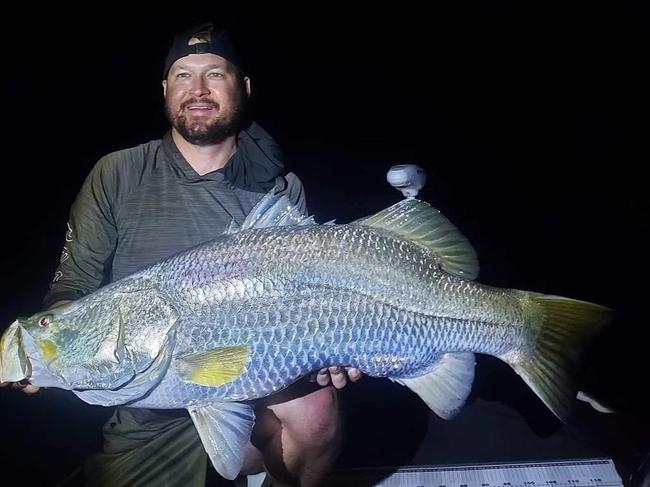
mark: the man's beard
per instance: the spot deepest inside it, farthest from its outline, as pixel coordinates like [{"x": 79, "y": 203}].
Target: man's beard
[{"x": 208, "y": 132}]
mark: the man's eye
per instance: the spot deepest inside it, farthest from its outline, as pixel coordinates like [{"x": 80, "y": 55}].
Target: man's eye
[
  {"x": 183, "y": 75},
  {"x": 216, "y": 75}
]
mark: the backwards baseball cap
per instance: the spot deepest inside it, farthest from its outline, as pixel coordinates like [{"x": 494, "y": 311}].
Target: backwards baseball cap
[{"x": 202, "y": 39}]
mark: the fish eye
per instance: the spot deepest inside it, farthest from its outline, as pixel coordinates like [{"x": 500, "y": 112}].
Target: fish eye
[{"x": 45, "y": 321}]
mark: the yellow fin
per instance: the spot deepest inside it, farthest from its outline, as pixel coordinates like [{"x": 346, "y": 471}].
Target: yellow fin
[
  {"x": 215, "y": 367},
  {"x": 418, "y": 222},
  {"x": 550, "y": 368}
]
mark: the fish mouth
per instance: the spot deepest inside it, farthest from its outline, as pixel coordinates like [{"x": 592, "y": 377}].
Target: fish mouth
[
  {"x": 21, "y": 360},
  {"x": 14, "y": 364}
]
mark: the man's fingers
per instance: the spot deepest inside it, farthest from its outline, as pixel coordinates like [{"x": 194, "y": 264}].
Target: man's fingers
[
  {"x": 354, "y": 374},
  {"x": 323, "y": 377},
  {"x": 24, "y": 386},
  {"x": 30, "y": 389},
  {"x": 339, "y": 377}
]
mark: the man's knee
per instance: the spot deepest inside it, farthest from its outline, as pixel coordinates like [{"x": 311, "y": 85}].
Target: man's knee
[
  {"x": 253, "y": 461},
  {"x": 300, "y": 437},
  {"x": 313, "y": 420}
]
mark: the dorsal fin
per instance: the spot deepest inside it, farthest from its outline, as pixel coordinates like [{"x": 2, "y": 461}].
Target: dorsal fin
[
  {"x": 273, "y": 210},
  {"x": 419, "y": 222}
]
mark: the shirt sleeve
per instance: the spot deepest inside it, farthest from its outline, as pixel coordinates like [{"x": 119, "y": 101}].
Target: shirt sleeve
[
  {"x": 90, "y": 238},
  {"x": 296, "y": 192}
]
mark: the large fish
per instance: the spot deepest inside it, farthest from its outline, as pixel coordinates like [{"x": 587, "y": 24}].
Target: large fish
[{"x": 250, "y": 312}]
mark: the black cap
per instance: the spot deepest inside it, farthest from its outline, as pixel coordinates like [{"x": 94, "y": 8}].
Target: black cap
[{"x": 202, "y": 39}]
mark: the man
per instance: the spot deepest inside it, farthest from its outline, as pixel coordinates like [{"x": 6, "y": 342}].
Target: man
[{"x": 145, "y": 203}]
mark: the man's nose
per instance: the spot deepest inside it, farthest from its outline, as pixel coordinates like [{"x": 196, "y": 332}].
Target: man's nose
[{"x": 199, "y": 86}]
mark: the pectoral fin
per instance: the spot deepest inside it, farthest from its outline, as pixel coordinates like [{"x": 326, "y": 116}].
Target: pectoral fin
[
  {"x": 225, "y": 430},
  {"x": 215, "y": 367}
]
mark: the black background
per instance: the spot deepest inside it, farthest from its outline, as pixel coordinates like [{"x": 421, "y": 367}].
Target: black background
[{"x": 531, "y": 123}]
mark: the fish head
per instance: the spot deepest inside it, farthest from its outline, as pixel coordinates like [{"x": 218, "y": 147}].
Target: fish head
[
  {"x": 24, "y": 358},
  {"x": 76, "y": 346},
  {"x": 97, "y": 342}
]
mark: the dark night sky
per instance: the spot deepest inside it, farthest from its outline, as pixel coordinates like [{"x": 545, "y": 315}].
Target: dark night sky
[{"x": 531, "y": 122}]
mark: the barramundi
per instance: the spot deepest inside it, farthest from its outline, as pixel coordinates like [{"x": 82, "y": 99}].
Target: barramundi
[{"x": 215, "y": 327}]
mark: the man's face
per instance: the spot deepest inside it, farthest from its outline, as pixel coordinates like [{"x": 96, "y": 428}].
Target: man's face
[{"x": 204, "y": 98}]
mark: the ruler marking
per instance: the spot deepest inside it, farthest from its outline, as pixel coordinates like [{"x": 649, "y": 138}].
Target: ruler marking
[{"x": 566, "y": 473}]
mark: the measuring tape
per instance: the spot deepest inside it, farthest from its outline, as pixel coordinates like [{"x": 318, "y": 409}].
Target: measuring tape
[{"x": 563, "y": 473}]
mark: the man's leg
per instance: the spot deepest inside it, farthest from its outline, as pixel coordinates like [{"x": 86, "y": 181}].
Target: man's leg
[
  {"x": 299, "y": 434},
  {"x": 146, "y": 448}
]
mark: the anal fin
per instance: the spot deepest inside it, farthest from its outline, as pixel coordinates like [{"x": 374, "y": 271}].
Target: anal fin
[{"x": 446, "y": 387}]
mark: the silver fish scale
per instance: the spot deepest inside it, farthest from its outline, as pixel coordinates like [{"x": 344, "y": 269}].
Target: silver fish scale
[
  {"x": 282, "y": 353},
  {"x": 307, "y": 297},
  {"x": 343, "y": 257}
]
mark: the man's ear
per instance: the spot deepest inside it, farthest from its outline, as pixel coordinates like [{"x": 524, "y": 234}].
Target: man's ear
[
  {"x": 247, "y": 82},
  {"x": 164, "y": 85}
]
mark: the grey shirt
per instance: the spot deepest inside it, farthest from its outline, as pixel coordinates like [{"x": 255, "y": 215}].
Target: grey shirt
[{"x": 143, "y": 204}]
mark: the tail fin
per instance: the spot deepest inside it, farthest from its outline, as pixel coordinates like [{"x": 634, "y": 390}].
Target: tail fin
[{"x": 568, "y": 325}]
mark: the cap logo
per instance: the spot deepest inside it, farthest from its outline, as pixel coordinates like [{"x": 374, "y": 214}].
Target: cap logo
[{"x": 199, "y": 39}]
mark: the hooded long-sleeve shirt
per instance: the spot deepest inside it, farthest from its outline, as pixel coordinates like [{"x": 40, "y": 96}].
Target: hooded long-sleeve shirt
[{"x": 140, "y": 205}]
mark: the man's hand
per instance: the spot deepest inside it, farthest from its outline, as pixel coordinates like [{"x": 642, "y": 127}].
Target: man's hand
[
  {"x": 338, "y": 376},
  {"x": 24, "y": 386}
]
